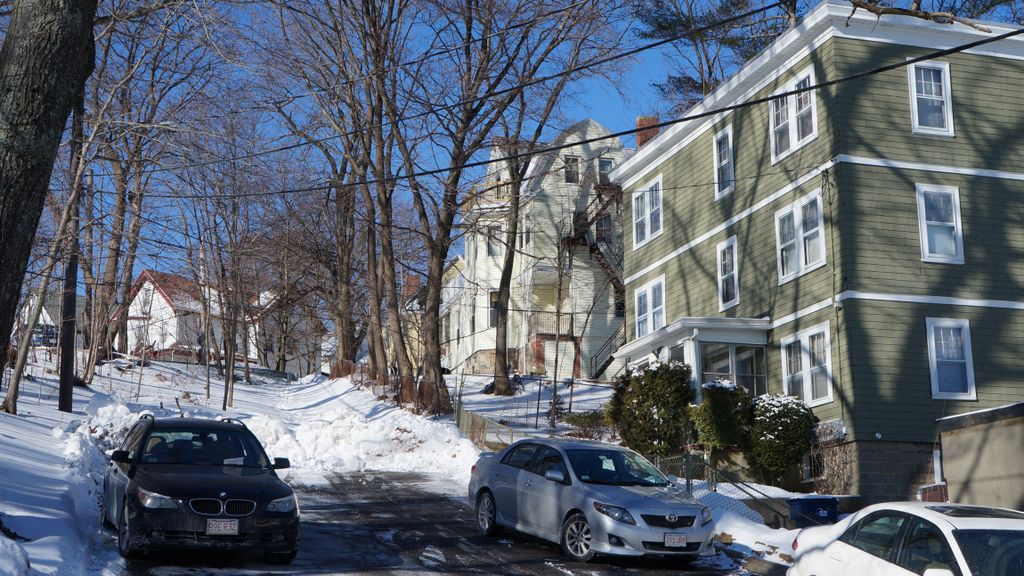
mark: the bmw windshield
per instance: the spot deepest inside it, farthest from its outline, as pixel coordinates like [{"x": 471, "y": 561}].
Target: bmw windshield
[
  {"x": 614, "y": 468},
  {"x": 203, "y": 447}
]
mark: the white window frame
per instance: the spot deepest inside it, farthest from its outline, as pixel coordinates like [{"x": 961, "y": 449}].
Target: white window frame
[
  {"x": 646, "y": 216},
  {"x": 722, "y": 246},
  {"x": 572, "y": 165},
  {"x": 647, "y": 290},
  {"x": 797, "y": 209},
  {"x": 719, "y": 191},
  {"x": 922, "y": 224},
  {"x": 804, "y": 336},
  {"x": 791, "y": 103},
  {"x": 933, "y": 368},
  {"x": 947, "y": 99}
]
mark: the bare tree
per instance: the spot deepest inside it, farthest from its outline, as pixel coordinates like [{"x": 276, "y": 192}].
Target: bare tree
[{"x": 47, "y": 56}]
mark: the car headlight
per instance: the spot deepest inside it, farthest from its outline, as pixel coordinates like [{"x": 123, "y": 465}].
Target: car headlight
[
  {"x": 705, "y": 516},
  {"x": 615, "y": 513},
  {"x": 153, "y": 500},
  {"x": 286, "y": 504}
]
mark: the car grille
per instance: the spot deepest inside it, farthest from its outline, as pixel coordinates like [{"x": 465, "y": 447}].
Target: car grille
[
  {"x": 239, "y": 507},
  {"x": 663, "y": 521},
  {"x": 214, "y": 507},
  {"x": 660, "y": 547},
  {"x": 206, "y": 506}
]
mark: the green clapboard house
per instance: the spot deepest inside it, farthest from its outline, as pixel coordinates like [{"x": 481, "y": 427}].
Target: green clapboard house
[{"x": 859, "y": 245}]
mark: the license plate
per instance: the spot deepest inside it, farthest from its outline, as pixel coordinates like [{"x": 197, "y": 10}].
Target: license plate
[
  {"x": 221, "y": 527},
  {"x": 675, "y": 540}
]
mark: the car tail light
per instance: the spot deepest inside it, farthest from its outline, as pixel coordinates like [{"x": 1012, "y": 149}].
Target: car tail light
[
  {"x": 795, "y": 543},
  {"x": 472, "y": 469}
]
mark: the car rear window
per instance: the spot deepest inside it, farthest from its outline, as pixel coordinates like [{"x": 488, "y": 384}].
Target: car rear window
[{"x": 992, "y": 552}]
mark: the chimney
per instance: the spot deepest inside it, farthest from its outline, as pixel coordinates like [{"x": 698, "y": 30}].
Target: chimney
[
  {"x": 644, "y": 131},
  {"x": 412, "y": 284}
]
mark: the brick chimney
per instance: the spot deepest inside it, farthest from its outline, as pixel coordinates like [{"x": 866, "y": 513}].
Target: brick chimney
[
  {"x": 644, "y": 131},
  {"x": 412, "y": 284}
]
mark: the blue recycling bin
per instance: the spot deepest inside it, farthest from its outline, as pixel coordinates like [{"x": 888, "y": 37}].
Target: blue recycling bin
[{"x": 813, "y": 510}]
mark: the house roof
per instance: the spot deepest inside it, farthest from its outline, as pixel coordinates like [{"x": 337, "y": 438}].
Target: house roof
[{"x": 182, "y": 294}]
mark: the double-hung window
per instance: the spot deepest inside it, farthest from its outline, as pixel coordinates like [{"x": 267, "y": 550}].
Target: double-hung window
[
  {"x": 604, "y": 168},
  {"x": 725, "y": 176},
  {"x": 572, "y": 169},
  {"x": 650, "y": 307},
  {"x": 728, "y": 275},
  {"x": 931, "y": 104},
  {"x": 807, "y": 365},
  {"x": 949, "y": 359},
  {"x": 939, "y": 224},
  {"x": 800, "y": 237},
  {"x": 792, "y": 118},
  {"x": 647, "y": 213}
]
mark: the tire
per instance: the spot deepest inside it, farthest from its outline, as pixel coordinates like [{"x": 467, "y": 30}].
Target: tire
[
  {"x": 486, "y": 514},
  {"x": 576, "y": 538},
  {"x": 125, "y": 547},
  {"x": 281, "y": 558}
]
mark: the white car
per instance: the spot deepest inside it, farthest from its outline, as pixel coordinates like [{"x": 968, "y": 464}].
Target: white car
[{"x": 922, "y": 538}]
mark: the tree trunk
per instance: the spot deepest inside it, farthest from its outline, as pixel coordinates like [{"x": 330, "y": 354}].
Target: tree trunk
[
  {"x": 502, "y": 385},
  {"x": 46, "y": 57}
]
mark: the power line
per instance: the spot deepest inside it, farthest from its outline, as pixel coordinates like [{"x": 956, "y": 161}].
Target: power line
[
  {"x": 580, "y": 68},
  {"x": 621, "y": 133}
]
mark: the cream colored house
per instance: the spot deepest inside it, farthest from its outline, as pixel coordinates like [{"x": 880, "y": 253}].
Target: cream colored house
[{"x": 565, "y": 312}]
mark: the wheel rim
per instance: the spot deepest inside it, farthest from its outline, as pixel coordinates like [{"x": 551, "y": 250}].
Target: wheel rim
[
  {"x": 485, "y": 512},
  {"x": 577, "y": 537}
]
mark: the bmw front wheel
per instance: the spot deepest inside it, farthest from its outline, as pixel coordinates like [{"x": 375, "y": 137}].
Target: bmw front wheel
[{"x": 125, "y": 546}]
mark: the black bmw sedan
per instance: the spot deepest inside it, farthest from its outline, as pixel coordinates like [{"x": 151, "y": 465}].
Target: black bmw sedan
[{"x": 196, "y": 483}]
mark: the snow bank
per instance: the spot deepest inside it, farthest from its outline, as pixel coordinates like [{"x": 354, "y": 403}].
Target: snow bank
[
  {"x": 346, "y": 441},
  {"x": 13, "y": 559}
]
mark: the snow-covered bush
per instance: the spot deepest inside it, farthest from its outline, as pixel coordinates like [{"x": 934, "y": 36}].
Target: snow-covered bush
[
  {"x": 780, "y": 434},
  {"x": 649, "y": 408},
  {"x": 722, "y": 417}
]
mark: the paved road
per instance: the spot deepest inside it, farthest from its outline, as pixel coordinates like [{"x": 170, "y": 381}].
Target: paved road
[{"x": 384, "y": 524}]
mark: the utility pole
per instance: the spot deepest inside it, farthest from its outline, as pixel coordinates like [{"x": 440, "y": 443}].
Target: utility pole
[{"x": 68, "y": 307}]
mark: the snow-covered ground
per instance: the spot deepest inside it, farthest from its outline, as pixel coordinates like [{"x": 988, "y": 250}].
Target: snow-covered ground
[{"x": 51, "y": 463}]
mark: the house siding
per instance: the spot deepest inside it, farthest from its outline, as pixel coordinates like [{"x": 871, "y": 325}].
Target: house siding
[
  {"x": 889, "y": 367},
  {"x": 988, "y": 112},
  {"x": 690, "y": 210}
]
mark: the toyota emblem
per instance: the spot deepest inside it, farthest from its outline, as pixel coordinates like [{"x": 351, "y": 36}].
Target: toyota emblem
[{"x": 672, "y": 518}]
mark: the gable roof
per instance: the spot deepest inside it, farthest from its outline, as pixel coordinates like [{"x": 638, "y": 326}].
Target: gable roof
[{"x": 180, "y": 293}]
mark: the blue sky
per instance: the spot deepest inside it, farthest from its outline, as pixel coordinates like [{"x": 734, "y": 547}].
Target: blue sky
[{"x": 638, "y": 96}]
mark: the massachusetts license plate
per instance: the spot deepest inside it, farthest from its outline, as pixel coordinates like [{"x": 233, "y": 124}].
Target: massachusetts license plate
[
  {"x": 221, "y": 527},
  {"x": 675, "y": 540}
]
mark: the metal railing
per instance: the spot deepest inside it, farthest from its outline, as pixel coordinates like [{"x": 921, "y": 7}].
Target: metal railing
[{"x": 600, "y": 360}]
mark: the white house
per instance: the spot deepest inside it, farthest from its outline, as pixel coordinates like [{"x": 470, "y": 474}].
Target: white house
[
  {"x": 165, "y": 316},
  {"x": 565, "y": 312}
]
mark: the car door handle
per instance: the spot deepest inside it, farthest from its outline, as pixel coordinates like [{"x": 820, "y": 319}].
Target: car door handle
[
  {"x": 528, "y": 483},
  {"x": 835, "y": 557}
]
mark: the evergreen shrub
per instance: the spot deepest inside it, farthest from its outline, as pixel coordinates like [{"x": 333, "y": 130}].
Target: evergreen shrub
[{"x": 650, "y": 408}]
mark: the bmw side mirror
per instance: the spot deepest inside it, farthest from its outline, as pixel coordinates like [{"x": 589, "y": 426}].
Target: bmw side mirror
[
  {"x": 281, "y": 463},
  {"x": 121, "y": 457},
  {"x": 938, "y": 572},
  {"x": 555, "y": 475}
]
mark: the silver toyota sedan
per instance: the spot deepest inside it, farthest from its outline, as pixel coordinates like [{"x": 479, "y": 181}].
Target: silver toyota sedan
[{"x": 590, "y": 497}]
